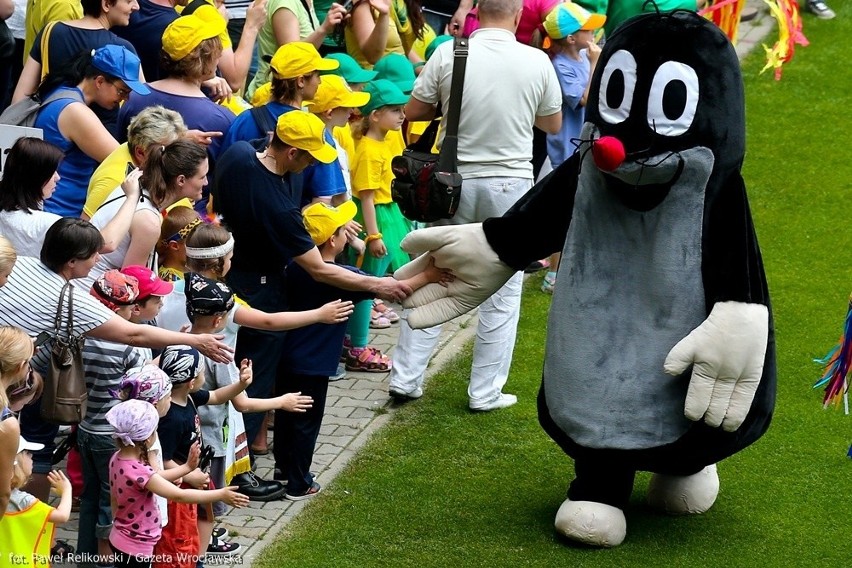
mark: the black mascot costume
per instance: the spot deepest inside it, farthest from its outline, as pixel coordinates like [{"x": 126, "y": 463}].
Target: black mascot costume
[{"x": 660, "y": 346}]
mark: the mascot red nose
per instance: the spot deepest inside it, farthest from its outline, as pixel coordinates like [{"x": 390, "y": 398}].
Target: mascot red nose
[{"x": 660, "y": 349}]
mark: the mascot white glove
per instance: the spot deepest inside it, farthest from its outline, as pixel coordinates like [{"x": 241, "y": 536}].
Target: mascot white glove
[
  {"x": 727, "y": 352},
  {"x": 464, "y": 250}
]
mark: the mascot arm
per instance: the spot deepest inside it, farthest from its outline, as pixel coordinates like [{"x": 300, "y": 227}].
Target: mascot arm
[
  {"x": 536, "y": 226},
  {"x": 483, "y": 256},
  {"x": 727, "y": 351}
]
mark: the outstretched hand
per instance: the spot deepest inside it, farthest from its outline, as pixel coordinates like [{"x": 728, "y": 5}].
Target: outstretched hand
[
  {"x": 336, "y": 312},
  {"x": 463, "y": 250},
  {"x": 246, "y": 373}
]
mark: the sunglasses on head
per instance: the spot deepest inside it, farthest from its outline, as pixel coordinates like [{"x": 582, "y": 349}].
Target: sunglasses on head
[{"x": 24, "y": 387}]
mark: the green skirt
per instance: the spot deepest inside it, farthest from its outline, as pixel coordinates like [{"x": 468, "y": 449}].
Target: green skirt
[{"x": 393, "y": 227}]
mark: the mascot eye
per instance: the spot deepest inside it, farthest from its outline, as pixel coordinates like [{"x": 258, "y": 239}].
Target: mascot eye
[
  {"x": 673, "y": 99},
  {"x": 617, "y": 85}
]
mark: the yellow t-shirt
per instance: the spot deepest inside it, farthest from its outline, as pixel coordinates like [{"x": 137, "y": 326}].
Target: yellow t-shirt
[
  {"x": 343, "y": 136},
  {"x": 40, "y": 12},
  {"x": 371, "y": 169},
  {"x": 106, "y": 178}
]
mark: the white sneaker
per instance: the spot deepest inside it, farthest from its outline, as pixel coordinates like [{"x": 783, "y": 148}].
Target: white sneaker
[
  {"x": 820, "y": 9},
  {"x": 403, "y": 396},
  {"x": 502, "y": 401}
]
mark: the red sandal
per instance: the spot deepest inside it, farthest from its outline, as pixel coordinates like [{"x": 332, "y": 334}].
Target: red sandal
[{"x": 368, "y": 359}]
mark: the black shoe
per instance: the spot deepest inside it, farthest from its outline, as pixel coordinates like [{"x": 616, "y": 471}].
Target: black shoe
[{"x": 257, "y": 489}]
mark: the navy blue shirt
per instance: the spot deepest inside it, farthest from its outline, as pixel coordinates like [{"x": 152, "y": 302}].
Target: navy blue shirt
[
  {"x": 246, "y": 128},
  {"x": 261, "y": 209},
  {"x": 177, "y": 427},
  {"x": 145, "y": 32},
  {"x": 315, "y": 349}
]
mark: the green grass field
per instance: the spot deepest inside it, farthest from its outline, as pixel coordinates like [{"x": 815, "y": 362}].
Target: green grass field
[{"x": 441, "y": 486}]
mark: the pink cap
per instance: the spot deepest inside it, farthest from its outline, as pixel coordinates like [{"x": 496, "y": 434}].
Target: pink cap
[{"x": 149, "y": 283}]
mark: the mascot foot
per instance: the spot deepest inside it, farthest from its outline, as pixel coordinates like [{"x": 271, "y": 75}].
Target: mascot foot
[
  {"x": 591, "y": 523},
  {"x": 684, "y": 495}
]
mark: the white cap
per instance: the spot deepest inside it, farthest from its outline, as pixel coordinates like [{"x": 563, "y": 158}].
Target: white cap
[{"x": 23, "y": 445}]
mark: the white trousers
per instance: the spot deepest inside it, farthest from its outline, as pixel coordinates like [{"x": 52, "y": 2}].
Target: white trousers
[{"x": 498, "y": 315}]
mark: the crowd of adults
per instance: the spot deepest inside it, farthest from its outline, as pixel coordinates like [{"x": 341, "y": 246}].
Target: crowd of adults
[{"x": 152, "y": 108}]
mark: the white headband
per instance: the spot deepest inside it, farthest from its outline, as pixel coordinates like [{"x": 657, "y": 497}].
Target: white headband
[{"x": 211, "y": 252}]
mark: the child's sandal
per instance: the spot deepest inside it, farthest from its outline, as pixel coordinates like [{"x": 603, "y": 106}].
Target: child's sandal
[
  {"x": 381, "y": 308},
  {"x": 378, "y": 321},
  {"x": 369, "y": 360}
]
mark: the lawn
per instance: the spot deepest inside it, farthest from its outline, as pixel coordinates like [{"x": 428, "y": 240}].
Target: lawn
[{"x": 441, "y": 486}]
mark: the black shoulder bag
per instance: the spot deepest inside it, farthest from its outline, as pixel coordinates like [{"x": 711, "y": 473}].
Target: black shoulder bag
[{"x": 426, "y": 186}]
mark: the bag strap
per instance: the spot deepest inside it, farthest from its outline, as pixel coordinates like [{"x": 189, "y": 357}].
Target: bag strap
[
  {"x": 263, "y": 119},
  {"x": 57, "y": 322},
  {"x": 70, "y": 322},
  {"x": 449, "y": 147},
  {"x": 142, "y": 198},
  {"x": 45, "y": 48}
]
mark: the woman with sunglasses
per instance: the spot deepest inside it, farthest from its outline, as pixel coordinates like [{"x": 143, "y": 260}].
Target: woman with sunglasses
[
  {"x": 101, "y": 78},
  {"x": 16, "y": 349}
]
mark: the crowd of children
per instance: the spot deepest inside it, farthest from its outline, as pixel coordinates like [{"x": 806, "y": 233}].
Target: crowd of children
[{"x": 162, "y": 448}]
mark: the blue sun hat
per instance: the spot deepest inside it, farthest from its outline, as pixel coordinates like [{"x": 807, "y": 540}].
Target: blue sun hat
[{"x": 117, "y": 61}]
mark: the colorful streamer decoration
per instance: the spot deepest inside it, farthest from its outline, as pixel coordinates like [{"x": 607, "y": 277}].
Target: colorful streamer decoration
[
  {"x": 726, "y": 14},
  {"x": 786, "y": 13},
  {"x": 835, "y": 379}
]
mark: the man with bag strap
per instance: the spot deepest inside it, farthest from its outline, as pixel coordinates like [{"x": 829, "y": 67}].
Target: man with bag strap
[{"x": 509, "y": 87}]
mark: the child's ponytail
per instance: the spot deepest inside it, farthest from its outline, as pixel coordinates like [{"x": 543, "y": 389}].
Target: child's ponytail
[{"x": 165, "y": 163}]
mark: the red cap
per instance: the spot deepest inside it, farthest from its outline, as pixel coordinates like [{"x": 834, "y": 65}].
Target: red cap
[{"x": 149, "y": 283}]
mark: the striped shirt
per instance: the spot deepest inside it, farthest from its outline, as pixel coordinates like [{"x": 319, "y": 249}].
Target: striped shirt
[
  {"x": 237, "y": 9},
  {"x": 30, "y": 298},
  {"x": 105, "y": 362}
]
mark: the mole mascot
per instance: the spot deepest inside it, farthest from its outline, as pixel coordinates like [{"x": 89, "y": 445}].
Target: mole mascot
[{"x": 660, "y": 349}]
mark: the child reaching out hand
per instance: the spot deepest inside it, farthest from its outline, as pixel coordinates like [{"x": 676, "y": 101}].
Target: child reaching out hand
[{"x": 133, "y": 484}]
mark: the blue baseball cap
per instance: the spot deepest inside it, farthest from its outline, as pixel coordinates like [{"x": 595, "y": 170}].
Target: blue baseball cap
[{"x": 117, "y": 61}]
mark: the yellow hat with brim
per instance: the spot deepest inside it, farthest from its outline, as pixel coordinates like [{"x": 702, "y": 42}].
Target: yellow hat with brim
[
  {"x": 262, "y": 95},
  {"x": 322, "y": 220},
  {"x": 299, "y": 58},
  {"x": 306, "y": 132},
  {"x": 335, "y": 92},
  {"x": 187, "y": 32}
]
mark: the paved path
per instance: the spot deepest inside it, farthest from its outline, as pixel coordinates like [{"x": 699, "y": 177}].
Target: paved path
[{"x": 359, "y": 405}]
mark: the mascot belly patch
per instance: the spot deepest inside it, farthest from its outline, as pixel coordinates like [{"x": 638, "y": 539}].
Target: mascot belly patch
[{"x": 625, "y": 296}]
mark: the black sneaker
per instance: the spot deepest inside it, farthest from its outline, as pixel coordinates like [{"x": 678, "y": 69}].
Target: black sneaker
[
  {"x": 222, "y": 548},
  {"x": 314, "y": 489},
  {"x": 221, "y": 533},
  {"x": 820, "y": 9},
  {"x": 257, "y": 489}
]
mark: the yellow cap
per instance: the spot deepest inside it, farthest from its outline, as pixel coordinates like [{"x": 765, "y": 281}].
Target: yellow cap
[
  {"x": 299, "y": 58},
  {"x": 305, "y": 131},
  {"x": 322, "y": 220},
  {"x": 187, "y": 32},
  {"x": 262, "y": 95},
  {"x": 335, "y": 92}
]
